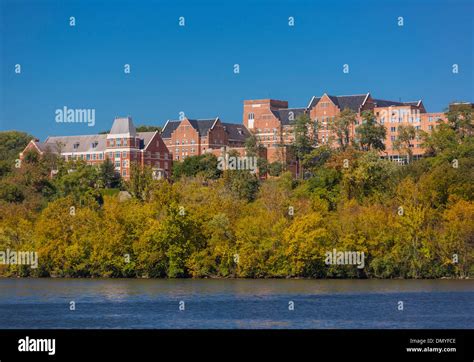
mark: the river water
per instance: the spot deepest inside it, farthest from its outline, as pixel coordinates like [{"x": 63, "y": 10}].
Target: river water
[{"x": 227, "y": 303}]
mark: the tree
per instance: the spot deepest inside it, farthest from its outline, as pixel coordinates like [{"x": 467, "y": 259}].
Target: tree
[
  {"x": 460, "y": 119},
  {"x": 242, "y": 183},
  {"x": 370, "y": 134},
  {"x": 108, "y": 177},
  {"x": 275, "y": 168},
  {"x": 141, "y": 181},
  {"x": 11, "y": 144},
  {"x": 403, "y": 142},
  {"x": 143, "y": 128},
  {"x": 341, "y": 127},
  {"x": 79, "y": 180},
  {"x": 205, "y": 165},
  {"x": 303, "y": 143}
]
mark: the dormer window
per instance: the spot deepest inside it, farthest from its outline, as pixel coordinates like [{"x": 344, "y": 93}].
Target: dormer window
[
  {"x": 76, "y": 145},
  {"x": 94, "y": 144}
]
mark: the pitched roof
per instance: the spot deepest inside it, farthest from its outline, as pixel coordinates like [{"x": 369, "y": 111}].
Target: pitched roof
[
  {"x": 314, "y": 100},
  {"x": 353, "y": 102},
  {"x": 169, "y": 128},
  {"x": 202, "y": 125},
  {"x": 236, "y": 132},
  {"x": 145, "y": 138},
  {"x": 123, "y": 126},
  {"x": 284, "y": 114},
  {"x": 386, "y": 103},
  {"x": 84, "y": 143}
]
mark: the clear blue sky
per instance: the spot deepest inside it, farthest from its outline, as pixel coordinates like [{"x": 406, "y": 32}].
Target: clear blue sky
[{"x": 190, "y": 68}]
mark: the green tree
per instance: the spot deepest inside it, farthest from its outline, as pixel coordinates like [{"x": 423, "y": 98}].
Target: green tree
[
  {"x": 204, "y": 165},
  {"x": 11, "y": 144},
  {"x": 108, "y": 177},
  {"x": 141, "y": 181},
  {"x": 303, "y": 142},
  {"x": 370, "y": 134},
  {"x": 341, "y": 127},
  {"x": 403, "y": 142}
]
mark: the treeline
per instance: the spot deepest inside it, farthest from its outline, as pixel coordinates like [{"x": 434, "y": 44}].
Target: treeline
[{"x": 411, "y": 221}]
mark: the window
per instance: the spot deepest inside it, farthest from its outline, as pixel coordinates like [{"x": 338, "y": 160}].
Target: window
[
  {"x": 117, "y": 154},
  {"x": 124, "y": 173},
  {"x": 124, "y": 154},
  {"x": 118, "y": 142},
  {"x": 117, "y": 164},
  {"x": 430, "y": 127},
  {"x": 101, "y": 156},
  {"x": 166, "y": 156},
  {"x": 76, "y": 145},
  {"x": 94, "y": 156},
  {"x": 88, "y": 157},
  {"x": 393, "y": 129},
  {"x": 251, "y": 116},
  {"x": 166, "y": 165},
  {"x": 94, "y": 144},
  {"x": 392, "y": 138},
  {"x": 124, "y": 163}
]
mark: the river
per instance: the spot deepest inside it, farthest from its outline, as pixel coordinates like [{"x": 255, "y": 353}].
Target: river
[{"x": 229, "y": 303}]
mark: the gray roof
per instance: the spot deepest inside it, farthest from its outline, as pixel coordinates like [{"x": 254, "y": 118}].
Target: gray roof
[
  {"x": 123, "y": 125},
  {"x": 353, "y": 102},
  {"x": 169, "y": 128},
  {"x": 202, "y": 125},
  {"x": 284, "y": 114},
  {"x": 313, "y": 102},
  {"x": 236, "y": 132},
  {"x": 145, "y": 138},
  {"x": 85, "y": 143},
  {"x": 386, "y": 103}
]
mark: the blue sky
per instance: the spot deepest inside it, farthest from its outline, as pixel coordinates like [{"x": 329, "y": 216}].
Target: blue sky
[{"x": 190, "y": 68}]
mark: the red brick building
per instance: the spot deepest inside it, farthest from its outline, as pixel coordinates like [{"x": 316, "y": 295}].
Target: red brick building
[
  {"x": 193, "y": 137},
  {"x": 271, "y": 121},
  {"x": 122, "y": 145}
]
